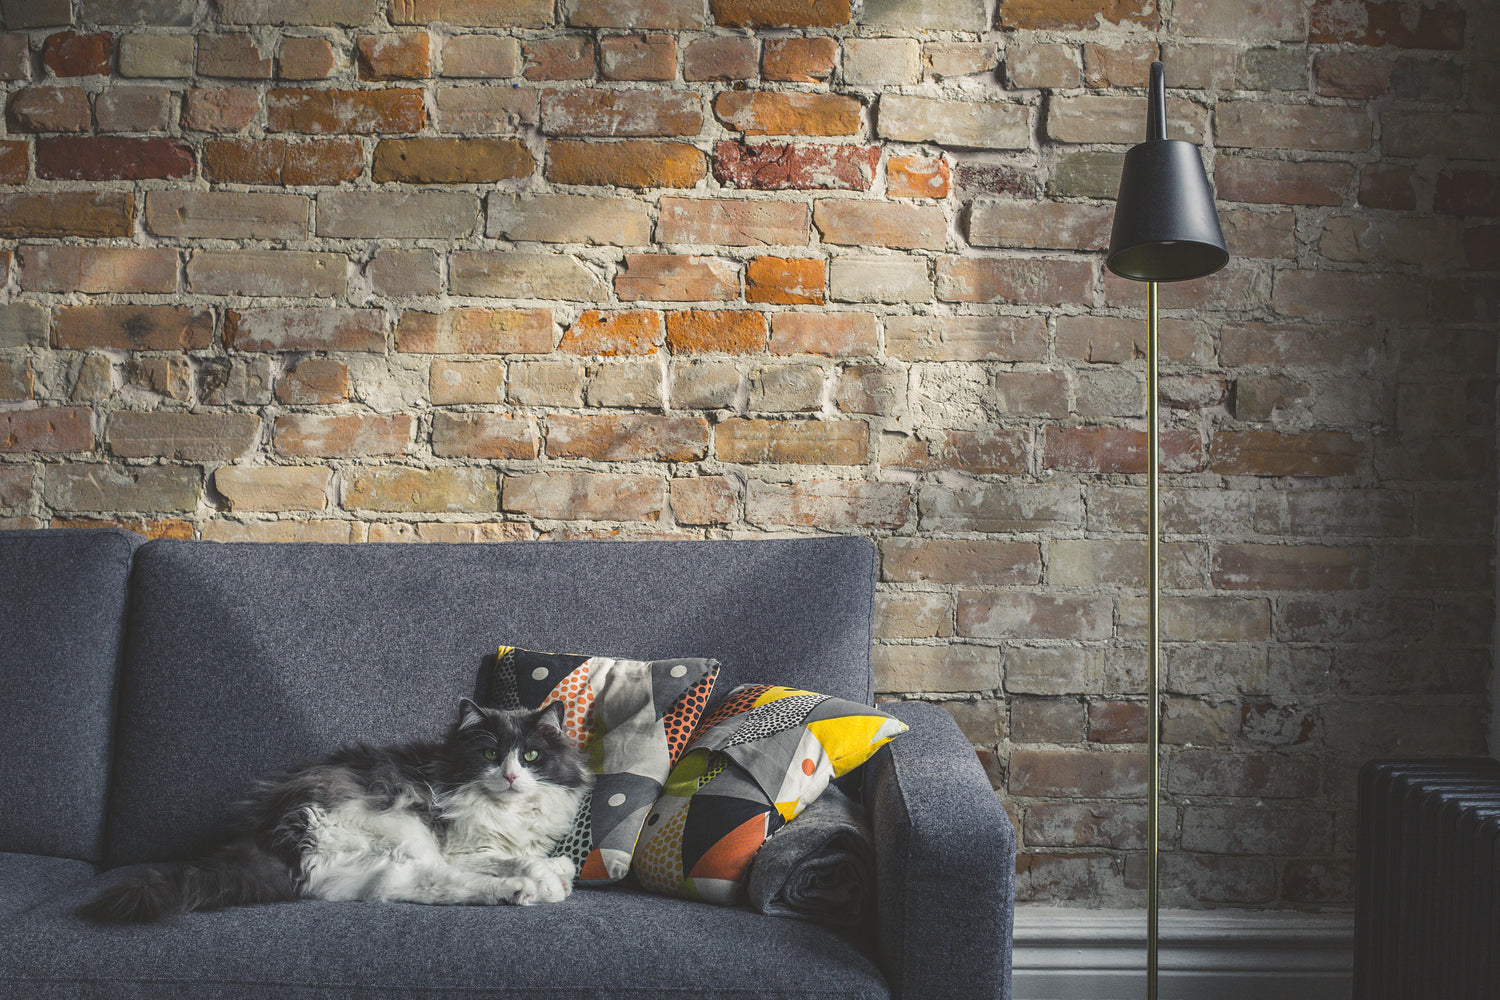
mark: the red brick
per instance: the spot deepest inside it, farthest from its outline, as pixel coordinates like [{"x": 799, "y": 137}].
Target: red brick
[
  {"x": 47, "y": 429},
  {"x": 778, "y": 166},
  {"x": 1249, "y": 566},
  {"x": 610, "y": 334},
  {"x": 799, "y": 60},
  {"x": 1282, "y": 182},
  {"x": 776, "y": 113},
  {"x": 967, "y": 562},
  {"x": 728, "y": 331},
  {"x": 1482, "y": 248},
  {"x": 675, "y": 278},
  {"x": 133, "y": 328},
  {"x": 351, "y": 435},
  {"x": 476, "y": 331},
  {"x": 359, "y": 112},
  {"x": 1343, "y": 295},
  {"x": 223, "y": 109},
  {"x": 806, "y": 442},
  {"x": 110, "y": 158},
  {"x": 1467, "y": 192},
  {"x": 14, "y": 162},
  {"x": 719, "y": 58},
  {"x": 830, "y": 334},
  {"x": 628, "y": 437},
  {"x": 1117, "y": 722},
  {"x": 780, "y": 13},
  {"x": 566, "y": 58},
  {"x": 48, "y": 109},
  {"x": 313, "y": 329},
  {"x": 1382, "y": 22},
  {"x": 1049, "y": 15},
  {"x": 917, "y": 177},
  {"x": 69, "y": 53},
  {"x": 621, "y": 113},
  {"x": 1118, "y": 450},
  {"x": 1355, "y": 75},
  {"x": 1393, "y": 187},
  {"x": 429, "y": 160},
  {"x": 277, "y": 161},
  {"x": 785, "y": 280},
  {"x": 634, "y": 163},
  {"x": 305, "y": 59},
  {"x": 638, "y": 57},
  {"x": 485, "y": 435},
  {"x": 1269, "y": 453}
]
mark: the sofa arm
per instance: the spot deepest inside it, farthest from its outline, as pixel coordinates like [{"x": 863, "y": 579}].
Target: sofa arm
[{"x": 945, "y": 859}]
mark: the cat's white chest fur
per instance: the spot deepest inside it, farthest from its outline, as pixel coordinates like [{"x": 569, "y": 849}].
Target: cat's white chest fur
[{"x": 512, "y": 825}]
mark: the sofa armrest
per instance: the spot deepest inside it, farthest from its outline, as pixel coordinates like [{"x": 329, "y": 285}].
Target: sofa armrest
[{"x": 945, "y": 859}]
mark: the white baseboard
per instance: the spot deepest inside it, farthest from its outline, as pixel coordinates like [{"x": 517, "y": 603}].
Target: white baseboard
[{"x": 1075, "y": 954}]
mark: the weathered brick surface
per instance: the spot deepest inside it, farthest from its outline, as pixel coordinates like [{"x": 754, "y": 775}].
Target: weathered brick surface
[{"x": 429, "y": 270}]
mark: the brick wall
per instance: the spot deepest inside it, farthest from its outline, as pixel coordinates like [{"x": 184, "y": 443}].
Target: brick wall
[{"x": 433, "y": 270}]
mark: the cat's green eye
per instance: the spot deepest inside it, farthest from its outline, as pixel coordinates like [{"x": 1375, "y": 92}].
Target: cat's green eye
[
  {"x": 491, "y": 754},
  {"x": 530, "y": 756}
]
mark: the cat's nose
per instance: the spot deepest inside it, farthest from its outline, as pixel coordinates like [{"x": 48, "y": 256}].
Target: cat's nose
[{"x": 511, "y": 777}]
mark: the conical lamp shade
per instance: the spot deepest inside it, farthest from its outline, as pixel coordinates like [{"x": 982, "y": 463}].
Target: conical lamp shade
[{"x": 1166, "y": 228}]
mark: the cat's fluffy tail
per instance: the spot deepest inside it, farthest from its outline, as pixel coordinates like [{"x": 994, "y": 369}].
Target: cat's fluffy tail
[{"x": 235, "y": 875}]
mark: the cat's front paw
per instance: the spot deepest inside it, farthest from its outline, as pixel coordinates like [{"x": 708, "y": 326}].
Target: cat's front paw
[
  {"x": 521, "y": 891},
  {"x": 553, "y": 876}
]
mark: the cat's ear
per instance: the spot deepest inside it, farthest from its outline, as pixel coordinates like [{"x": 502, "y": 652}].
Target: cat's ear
[
  {"x": 469, "y": 714},
  {"x": 551, "y": 717}
]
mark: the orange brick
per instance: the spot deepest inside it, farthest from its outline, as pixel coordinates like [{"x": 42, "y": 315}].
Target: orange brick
[
  {"x": 273, "y": 487},
  {"x": 358, "y": 112},
  {"x": 703, "y": 499},
  {"x": 638, "y": 57},
  {"x": 394, "y": 57},
  {"x": 450, "y": 161},
  {"x": 799, "y": 60},
  {"x": 347, "y": 435},
  {"x": 567, "y": 58},
  {"x": 781, "y": 13},
  {"x": 403, "y": 490},
  {"x": 1049, "y": 15},
  {"x": 786, "y": 280},
  {"x": 633, "y": 163},
  {"x": 484, "y": 435},
  {"x": 610, "y": 334},
  {"x": 763, "y": 113},
  {"x": 917, "y": 177},
  {"x": 1400, "y": 25},
  {"x": 805, "y": 442},
  {"x": 731, "y": 331},
  {"x": 305, "y": 59}
]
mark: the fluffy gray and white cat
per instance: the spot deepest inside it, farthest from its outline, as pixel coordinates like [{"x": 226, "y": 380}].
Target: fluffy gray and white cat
[{"x": 470, "y": 818}]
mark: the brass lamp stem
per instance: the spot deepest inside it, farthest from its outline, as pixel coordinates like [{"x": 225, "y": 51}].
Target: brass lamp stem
[{"x": 1153, "y": 650}]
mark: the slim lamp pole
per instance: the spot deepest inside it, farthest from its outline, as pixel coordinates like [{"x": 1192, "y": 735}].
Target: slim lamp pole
[
  {"x": 1165, "y": 229},
  {"x": 1153, "y": 654}
]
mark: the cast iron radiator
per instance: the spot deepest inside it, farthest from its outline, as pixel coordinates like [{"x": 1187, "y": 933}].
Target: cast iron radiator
[{"x": 1427, "y": 910}]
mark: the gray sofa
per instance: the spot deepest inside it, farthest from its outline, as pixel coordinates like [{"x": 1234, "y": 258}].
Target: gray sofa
[{"x": 144, "y": 686}]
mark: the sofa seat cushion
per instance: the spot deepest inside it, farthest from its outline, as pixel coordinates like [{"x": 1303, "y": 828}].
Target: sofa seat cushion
[
  {"x": 597, "y": 944},
  {"x": 29, "y": 879},
  {"x": 62, "y": 600}
]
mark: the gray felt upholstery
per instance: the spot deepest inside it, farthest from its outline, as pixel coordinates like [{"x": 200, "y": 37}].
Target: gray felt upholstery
[
  {"x": 230, "y": 661},
  {"x": 62, "y": 601},
  {"x": 945, "y": 858}
]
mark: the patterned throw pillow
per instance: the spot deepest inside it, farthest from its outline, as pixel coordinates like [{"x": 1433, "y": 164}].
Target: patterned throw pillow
[
  {"x": 753, "y": 765},
  {"x": 632, "y": 717}
]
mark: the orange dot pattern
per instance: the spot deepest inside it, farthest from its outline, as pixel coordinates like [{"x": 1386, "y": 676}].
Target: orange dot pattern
[
  {"x": 684, "y": 713},
  {"x": 577, "y": 698},
  {"x": 737, "y": 702}
]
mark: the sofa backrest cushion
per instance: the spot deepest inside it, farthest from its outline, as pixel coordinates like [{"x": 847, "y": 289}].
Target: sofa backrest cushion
[
  {"x": 243, "y": 658},
  {"x": 62, "y": 604}
]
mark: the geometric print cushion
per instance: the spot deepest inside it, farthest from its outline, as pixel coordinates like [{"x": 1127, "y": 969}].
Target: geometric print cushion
[
  {"x": 632, "y": 718},
  {"x": 757, "y": 761}
]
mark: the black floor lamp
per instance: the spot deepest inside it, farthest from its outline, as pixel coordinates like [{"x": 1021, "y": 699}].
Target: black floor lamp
[{"x": 1166, "y": 229}]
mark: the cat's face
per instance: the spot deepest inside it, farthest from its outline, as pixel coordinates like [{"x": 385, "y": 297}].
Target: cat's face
[{"x": 515, "y": 752}]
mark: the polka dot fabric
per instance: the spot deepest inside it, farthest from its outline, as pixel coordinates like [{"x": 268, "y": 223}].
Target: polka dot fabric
[{"x": 610, "y": 710}]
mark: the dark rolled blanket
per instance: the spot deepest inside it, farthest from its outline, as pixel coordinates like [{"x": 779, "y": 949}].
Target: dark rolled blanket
[{"x": 820, "y": 866}]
